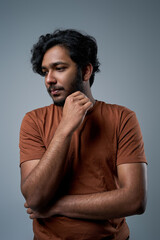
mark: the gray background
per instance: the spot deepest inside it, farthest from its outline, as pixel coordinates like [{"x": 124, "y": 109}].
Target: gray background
[{"x": 128, "y": 35}]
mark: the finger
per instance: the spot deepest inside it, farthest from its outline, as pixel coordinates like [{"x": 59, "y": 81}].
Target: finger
[
  {"x": 84, "y": 101},
  {"x": 77, "y": 93},
  {"x": 88, "y": 105},
  {"x": 26, "y": 205},
  {"x": 29, "y": 210},
  {"x": 32, "y": 216},
  {"x": 79, "y": 97}
]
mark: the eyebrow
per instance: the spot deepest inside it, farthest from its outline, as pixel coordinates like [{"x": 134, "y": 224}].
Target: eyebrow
[{"x": 51, "y": 65}]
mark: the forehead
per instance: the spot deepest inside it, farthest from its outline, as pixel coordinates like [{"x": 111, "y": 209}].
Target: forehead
[{"x": 56, "y": 54}]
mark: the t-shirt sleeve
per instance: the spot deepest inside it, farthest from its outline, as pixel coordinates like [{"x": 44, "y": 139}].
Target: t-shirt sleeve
[
  {"x": 130, "y": 141},
  {"x": 30, "y": 142}
]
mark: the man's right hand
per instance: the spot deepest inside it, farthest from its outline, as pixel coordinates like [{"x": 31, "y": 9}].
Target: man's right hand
[
  {"x": 74, "y": 110},
  {"x": 40, "y": 178}
]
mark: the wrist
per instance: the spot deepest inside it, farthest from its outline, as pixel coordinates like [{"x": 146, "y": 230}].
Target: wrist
[{"x": 65, "y": 129}]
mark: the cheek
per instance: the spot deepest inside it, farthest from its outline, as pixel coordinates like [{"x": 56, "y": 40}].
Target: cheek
[
  {"x": 67, "y": 79},
  {"x": 45, "y": 83}
]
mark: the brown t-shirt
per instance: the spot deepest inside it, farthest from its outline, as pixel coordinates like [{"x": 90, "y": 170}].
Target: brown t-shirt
[{"x": 109, "y": 135}]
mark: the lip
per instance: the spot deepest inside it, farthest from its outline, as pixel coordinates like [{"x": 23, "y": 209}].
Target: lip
[{"x": 55, "y": 91}]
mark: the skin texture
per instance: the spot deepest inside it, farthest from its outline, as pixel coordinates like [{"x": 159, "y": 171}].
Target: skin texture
[
  {"x": 37, "y": 176},
  {"x": 62, "y": 76},
  {"x": 128, "y": 200}
]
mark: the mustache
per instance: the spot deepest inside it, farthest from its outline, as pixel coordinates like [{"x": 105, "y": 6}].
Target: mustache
[{"x": 54, "y": 88}]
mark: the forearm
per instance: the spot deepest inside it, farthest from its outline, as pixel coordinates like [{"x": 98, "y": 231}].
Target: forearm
[
  {"x": 41, "y": 184},
  {"x": 129, "y": 199},
  {"x": 99, "y": 206}
]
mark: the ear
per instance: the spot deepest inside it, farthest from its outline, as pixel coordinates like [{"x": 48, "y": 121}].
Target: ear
[{"x": 87, "y": 72}]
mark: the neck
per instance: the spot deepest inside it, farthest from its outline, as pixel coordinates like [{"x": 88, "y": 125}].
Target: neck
[
  {"x": 91, "y": 98},
  {"x": 88, "y": 93}
]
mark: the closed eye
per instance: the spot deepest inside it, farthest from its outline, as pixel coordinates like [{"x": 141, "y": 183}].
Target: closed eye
[
  {"x": 60, "y": 69},
  {"x": 44, "y": 73}
]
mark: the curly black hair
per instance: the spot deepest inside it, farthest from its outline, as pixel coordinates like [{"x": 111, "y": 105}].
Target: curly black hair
[{"x": 82, "y": 49}]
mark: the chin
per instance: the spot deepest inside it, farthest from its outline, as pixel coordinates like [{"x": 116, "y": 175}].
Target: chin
[{"x": 59, "y": 103}]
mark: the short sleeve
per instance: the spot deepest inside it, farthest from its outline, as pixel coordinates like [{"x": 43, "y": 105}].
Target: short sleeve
[
  {"x": 30, "y": 142},
  {"x": 130, "y": 141}
]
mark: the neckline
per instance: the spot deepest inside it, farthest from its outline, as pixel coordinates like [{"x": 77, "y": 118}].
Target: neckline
[{"x": 93, "y": 108}]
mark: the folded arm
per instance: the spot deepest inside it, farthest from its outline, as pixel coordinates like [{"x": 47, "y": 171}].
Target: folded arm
[{"x": 128, "y": 200}]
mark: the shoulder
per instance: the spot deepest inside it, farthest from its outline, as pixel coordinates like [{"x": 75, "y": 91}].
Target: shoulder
[
  {"x": 41, "y": 111},
  {"x": 37, "y": 115},
  {"x": 117, "y": 116},
  {"x": 114, "y": 110}
]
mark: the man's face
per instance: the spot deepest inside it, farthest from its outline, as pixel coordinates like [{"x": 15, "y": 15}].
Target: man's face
[{"x": 61, "y": 75}]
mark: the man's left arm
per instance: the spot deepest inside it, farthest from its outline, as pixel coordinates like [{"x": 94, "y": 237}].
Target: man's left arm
[{"x": 129, "y": 199}]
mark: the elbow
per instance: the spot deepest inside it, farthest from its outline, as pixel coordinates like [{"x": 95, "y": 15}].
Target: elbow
[
  {"x": 137, "y": 203},
  {"x": 140, "y": 205},
  {"x": 34, "y": 204},
  {"x": 33, "y": 201}
]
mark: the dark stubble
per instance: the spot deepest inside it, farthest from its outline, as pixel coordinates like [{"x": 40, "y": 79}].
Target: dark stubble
[{"x": 77, "y": 85}]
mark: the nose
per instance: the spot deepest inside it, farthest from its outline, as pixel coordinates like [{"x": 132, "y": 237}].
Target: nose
[{"x": 50, "y": 78}]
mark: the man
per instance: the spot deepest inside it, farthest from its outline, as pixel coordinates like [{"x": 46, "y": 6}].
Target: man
[{"x": 83, "y": 167}]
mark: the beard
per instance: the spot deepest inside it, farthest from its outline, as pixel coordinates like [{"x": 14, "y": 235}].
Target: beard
[{"x": 77, "y": 85}]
